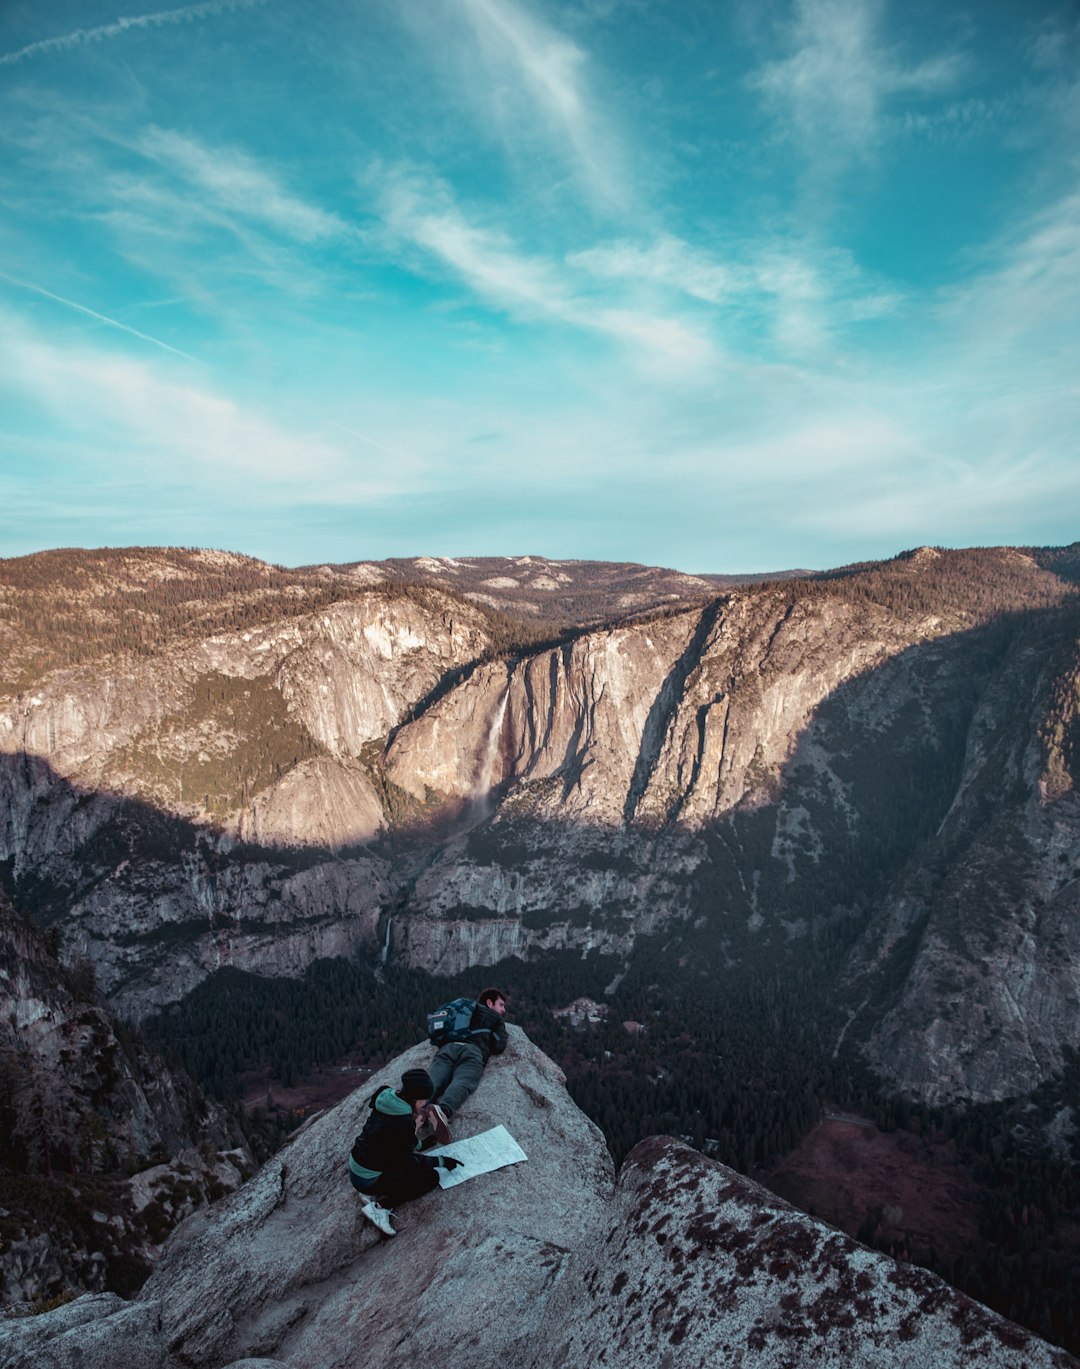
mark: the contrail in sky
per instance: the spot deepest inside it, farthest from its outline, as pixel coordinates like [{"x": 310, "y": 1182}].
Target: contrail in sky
[
  {"x": 101, "y": 318},
  {"x": 370, "y": 441},
  {"x": 139, "y": 21},
  {"x": 145, "y": 337}
]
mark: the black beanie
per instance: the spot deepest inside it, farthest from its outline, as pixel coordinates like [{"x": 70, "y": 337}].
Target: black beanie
[{"x": 416, "y": 1084}]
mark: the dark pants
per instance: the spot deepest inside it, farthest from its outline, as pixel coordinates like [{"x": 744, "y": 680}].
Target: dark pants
[
  {"x": 394, "y": 1186},
  {"x": 455, "y": 1071}
]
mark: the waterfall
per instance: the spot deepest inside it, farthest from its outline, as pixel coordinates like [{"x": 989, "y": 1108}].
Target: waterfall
[
  {"x": 384, "y": 954},
  {"x": 491, "y": 751}
]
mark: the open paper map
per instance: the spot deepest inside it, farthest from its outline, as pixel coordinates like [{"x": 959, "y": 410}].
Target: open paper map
[{"x": 479, "y": 1155}]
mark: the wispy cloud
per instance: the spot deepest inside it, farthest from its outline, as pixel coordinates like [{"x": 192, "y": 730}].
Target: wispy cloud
[
  {"x": 953, "y": 124},
  {"x": 180, "y": 426},
  {"x": 1028, "y": 284},
  {"x": 666, "y": 261},
  {"x": 806, "y": 294},
  {"x": 531, "y": 81},
  {"x": 550, "y": 64},
  {"x": 831, "y": 86},
  {"x": 423, "y": 212},
  {"x": 235, "y": 182},
  {"x": 169, "y": 201},
  {"x": 101, "y": 318},
  {"x": 821, "y": 451},
  {"x": 1055, "y": 42},
  {"x": 80, "y": 37}
]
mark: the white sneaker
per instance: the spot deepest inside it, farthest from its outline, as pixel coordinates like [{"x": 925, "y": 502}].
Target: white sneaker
[{"x": 378, "y": 1216}]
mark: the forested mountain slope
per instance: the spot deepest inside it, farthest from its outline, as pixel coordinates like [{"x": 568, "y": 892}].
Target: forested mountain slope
[
  {"x": 793, "y": 770},
  {"x": 769, "y": 837}
]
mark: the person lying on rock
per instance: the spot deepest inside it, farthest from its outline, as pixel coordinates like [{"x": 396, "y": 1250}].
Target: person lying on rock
[
  {"x": 459, "y": 1062},
  {"x": 385, "y": 1164}
]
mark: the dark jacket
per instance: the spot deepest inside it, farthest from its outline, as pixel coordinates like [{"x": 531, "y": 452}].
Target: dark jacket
[
  {"x": 388, "y": 1141},
  {"x": 487, "y": 1030}
]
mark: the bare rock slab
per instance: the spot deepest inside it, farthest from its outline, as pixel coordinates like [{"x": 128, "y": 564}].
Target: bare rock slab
[
  {"x": 700, "y": 1266},
  {"x": 541, "y": 1265}
]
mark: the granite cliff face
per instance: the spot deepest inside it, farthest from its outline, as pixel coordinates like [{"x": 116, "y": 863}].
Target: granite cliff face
[
  {"x": 986, "y": 931},
  {"x": 775, "y": 771},
  {"x": 843, "y": 761},
  {"x": 211, "y": 806},
  {"x": 625, "y": 767},
  {"x": 198, "y": 730},
  {"x": 682, "y": 720},
  {"x": 548, "y": 1262},
  {"x": 75, "y": 1095}
]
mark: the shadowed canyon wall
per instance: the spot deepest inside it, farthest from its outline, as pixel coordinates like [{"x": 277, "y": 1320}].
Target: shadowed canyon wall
[{"x": 891, "y": 774}]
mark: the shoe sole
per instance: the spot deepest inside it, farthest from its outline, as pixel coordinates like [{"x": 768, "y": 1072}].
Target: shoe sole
[{"x": 442, "y": 1131}]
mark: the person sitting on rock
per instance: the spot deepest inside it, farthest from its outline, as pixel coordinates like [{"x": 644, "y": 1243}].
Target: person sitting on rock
[
  {"x": 385, "y": 1165},
  {"x": 459, "y": 1062}
]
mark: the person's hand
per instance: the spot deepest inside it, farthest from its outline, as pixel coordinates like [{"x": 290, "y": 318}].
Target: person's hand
[{"x": 449, "y": 1162}]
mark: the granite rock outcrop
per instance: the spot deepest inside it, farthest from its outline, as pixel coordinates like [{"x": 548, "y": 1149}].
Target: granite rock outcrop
[
  {"x": 548, "y": 1262},
  {"x": 211, "y": 806}
]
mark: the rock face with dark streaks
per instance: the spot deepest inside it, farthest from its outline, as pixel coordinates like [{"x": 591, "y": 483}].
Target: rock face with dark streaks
[
  {"x": 545, "y": 1263},
  {"x": 986, "y": 932},
  {"x": 883, "y": 759},
  {"x": 617, "y": 767},
  {"x": 681, "y": 719}
]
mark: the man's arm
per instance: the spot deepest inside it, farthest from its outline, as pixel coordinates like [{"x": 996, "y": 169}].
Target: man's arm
[{"x": 486, "y": 1019}]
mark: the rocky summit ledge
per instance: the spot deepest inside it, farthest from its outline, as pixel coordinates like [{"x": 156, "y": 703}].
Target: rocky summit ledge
[
  {"x": 548, "y": 1263},
  {"x": 701, "y": 1266}
]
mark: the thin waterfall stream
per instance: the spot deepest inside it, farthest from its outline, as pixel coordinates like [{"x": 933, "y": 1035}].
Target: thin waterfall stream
[{"x": 491, "y": 750}]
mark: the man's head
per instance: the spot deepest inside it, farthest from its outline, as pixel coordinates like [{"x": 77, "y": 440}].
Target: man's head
[{"x": 494, "y": 999}]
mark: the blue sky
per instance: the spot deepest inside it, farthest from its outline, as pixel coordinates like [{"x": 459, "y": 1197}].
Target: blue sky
[{"x": 718, "y": 286}]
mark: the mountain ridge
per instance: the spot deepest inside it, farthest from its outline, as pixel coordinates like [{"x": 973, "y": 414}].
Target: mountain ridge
[{"x": 797, "y": 724}]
